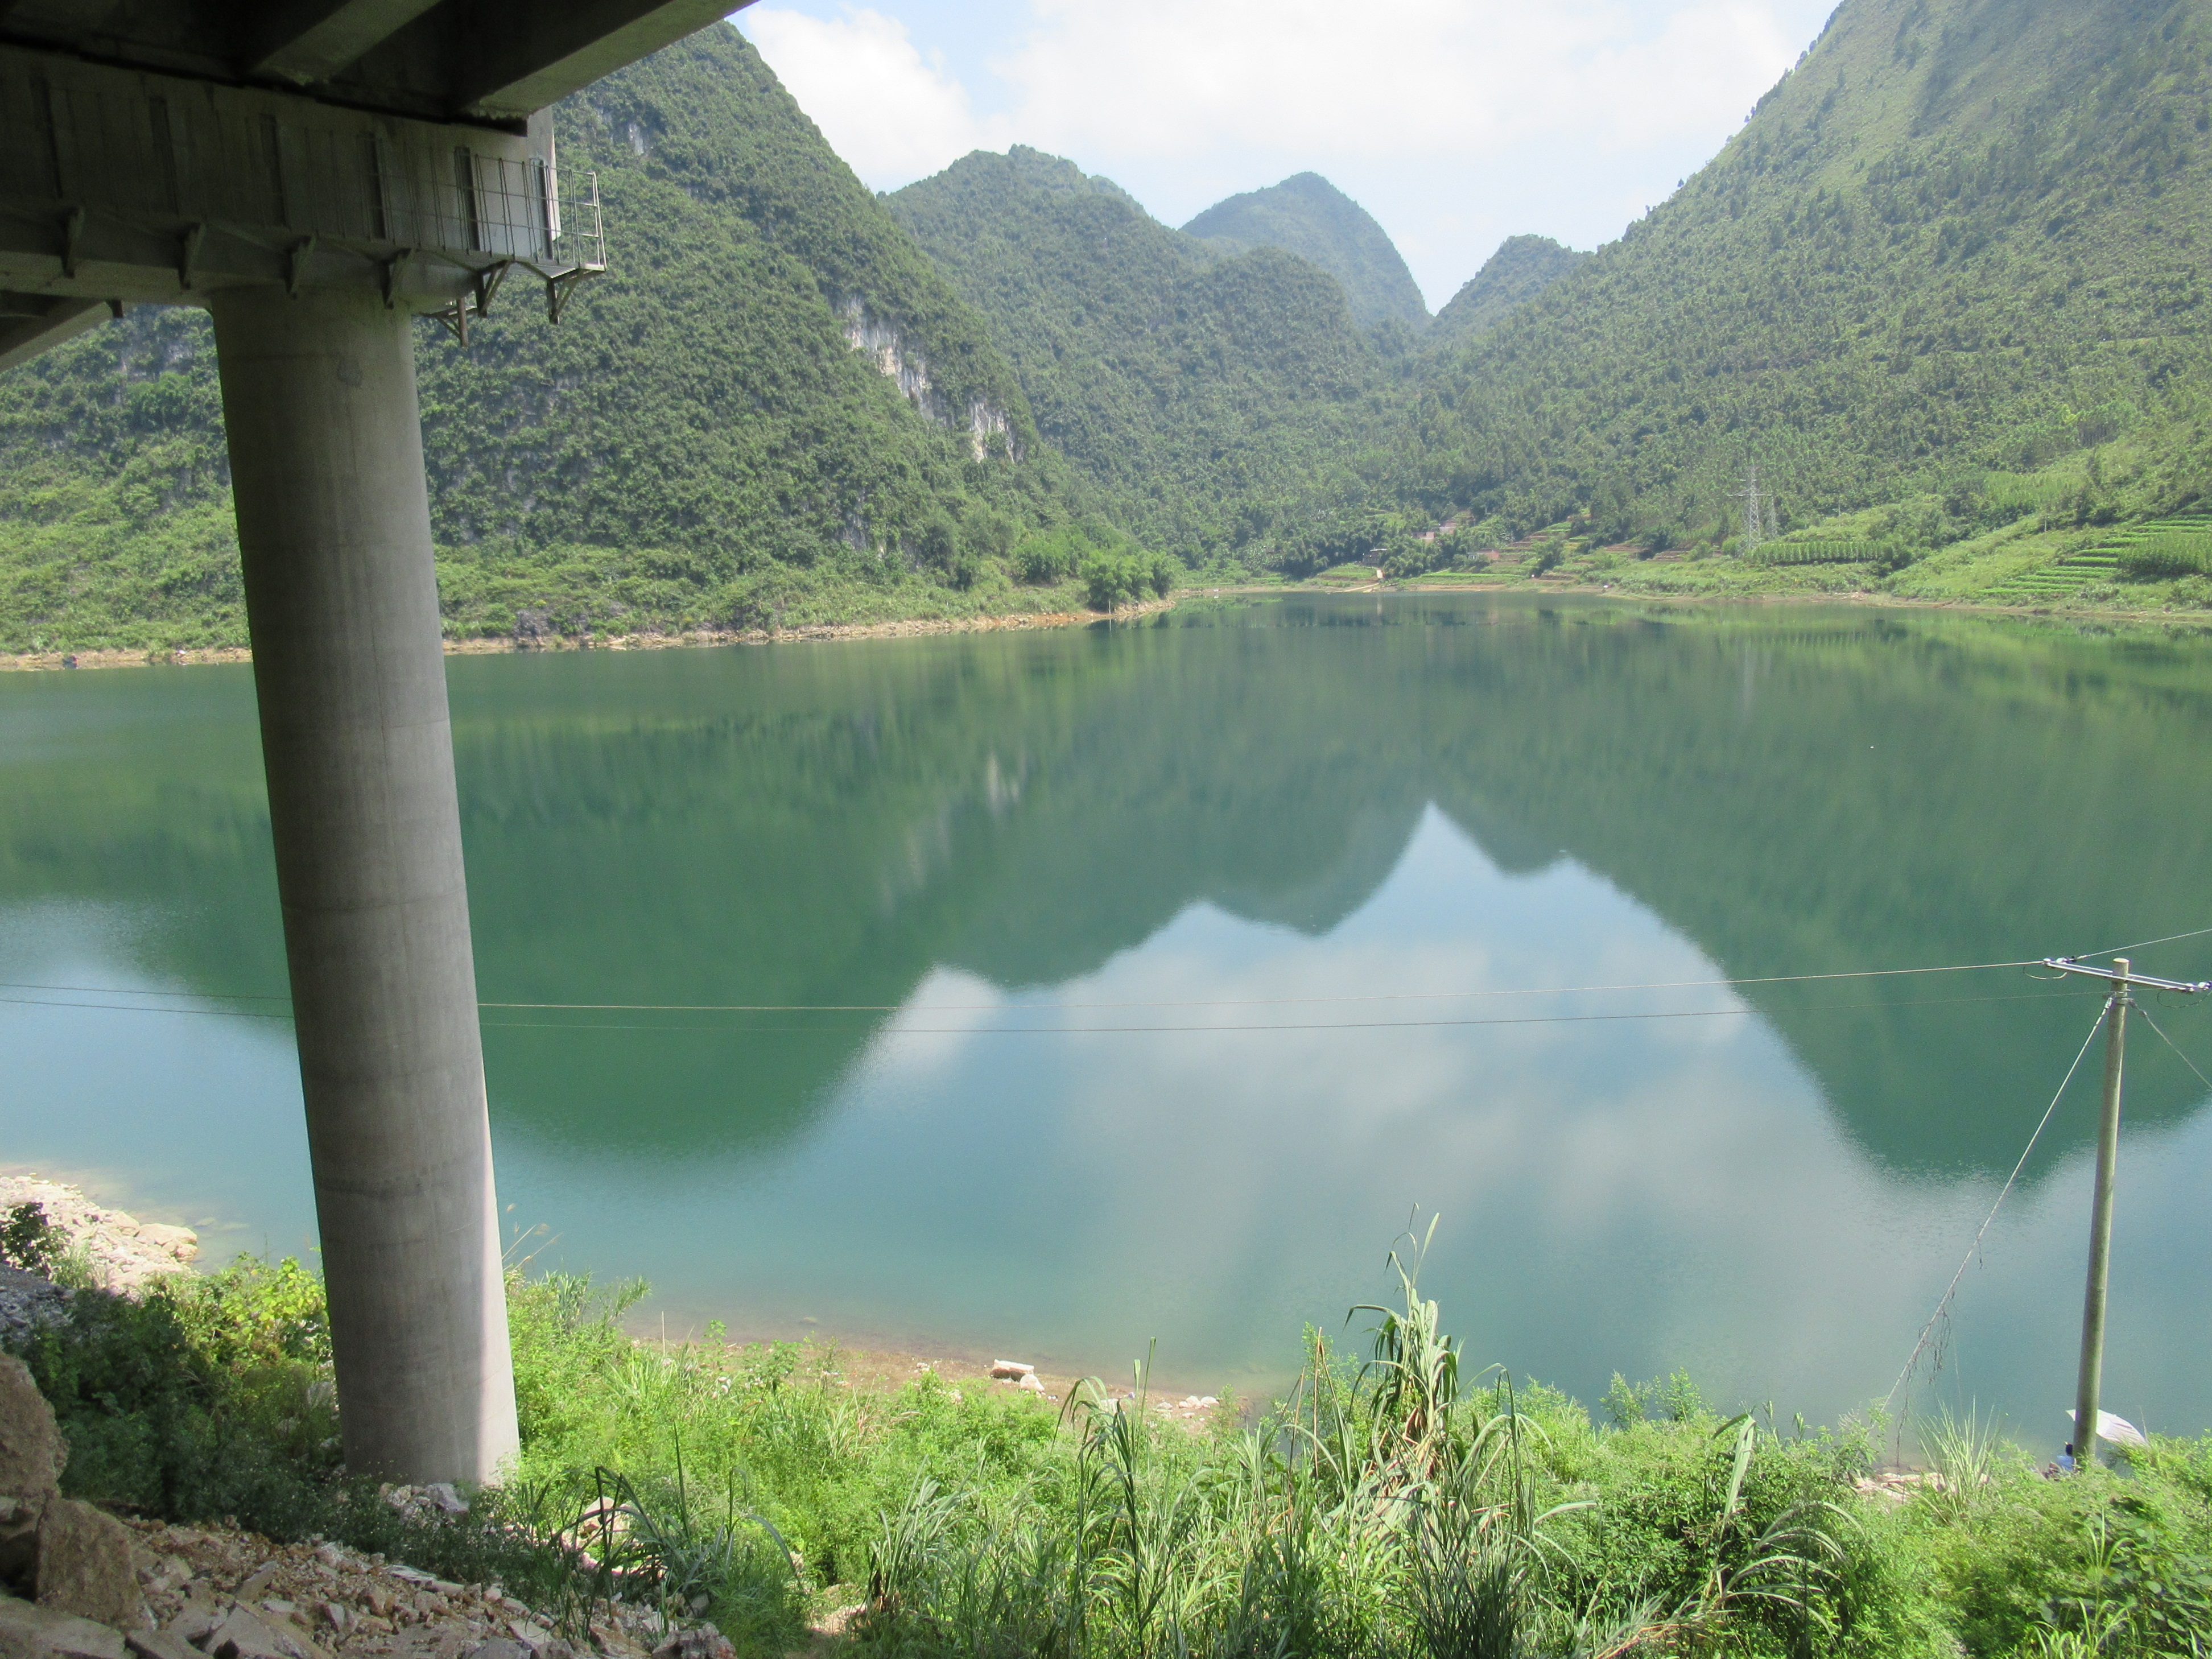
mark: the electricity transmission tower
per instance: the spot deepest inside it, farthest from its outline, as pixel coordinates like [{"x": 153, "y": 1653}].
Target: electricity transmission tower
[{"x": 1758, "y": 524}]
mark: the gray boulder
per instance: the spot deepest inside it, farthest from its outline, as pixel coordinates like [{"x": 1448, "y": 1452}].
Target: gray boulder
[
  {"x": 84, "y": 1565},
  {"x": 31, "y": 1450},
  {"x": 244, "y": 1634},
  {"x": 30, "y": 1631}
]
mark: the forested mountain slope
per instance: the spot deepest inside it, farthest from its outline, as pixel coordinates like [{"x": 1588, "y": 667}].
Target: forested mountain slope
[
  {"x": 1205, "y": 392},
  {"x": 1963, "y": 238},
  {"x": 1307, "y": 215},
  {"x": 1947, "y": 288},
  {"x": 773, "y": 403},
  {"x": 1523, "y": 268}
]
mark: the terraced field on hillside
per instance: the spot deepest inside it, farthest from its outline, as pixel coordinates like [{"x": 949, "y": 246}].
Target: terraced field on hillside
[{"x": 2102, "y": 561}]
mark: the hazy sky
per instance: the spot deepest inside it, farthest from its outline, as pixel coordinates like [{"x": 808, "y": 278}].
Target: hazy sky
[{"x": 1456, "y": 123}]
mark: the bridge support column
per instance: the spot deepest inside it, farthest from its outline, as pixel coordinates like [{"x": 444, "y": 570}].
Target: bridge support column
[{"x": 341, "y": 600}]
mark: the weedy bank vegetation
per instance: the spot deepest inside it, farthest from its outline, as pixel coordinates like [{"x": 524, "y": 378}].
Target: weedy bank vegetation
[{"x": 1398, "y": 1503}]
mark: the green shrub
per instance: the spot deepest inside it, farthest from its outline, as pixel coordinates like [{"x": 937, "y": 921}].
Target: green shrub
[
  {"x": 1119, "y": 579},
  {"x": 211, "y": 1398},
  {"x": 1811, "y": 552},
  {"x": 2169, "y": 553},
  {"x": 1045, "y": 557},
  {"x": 28, "y": 1240}
]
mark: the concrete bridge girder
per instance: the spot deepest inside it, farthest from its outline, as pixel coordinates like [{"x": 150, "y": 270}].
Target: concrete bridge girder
[{"x": 141, "y": 188}]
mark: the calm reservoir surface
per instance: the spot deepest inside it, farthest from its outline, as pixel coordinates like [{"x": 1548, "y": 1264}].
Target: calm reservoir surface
[{"x": 1136, "y": 983}]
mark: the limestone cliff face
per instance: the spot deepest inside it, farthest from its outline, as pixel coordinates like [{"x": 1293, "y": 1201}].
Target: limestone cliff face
[{"x": 896, "y": 358}]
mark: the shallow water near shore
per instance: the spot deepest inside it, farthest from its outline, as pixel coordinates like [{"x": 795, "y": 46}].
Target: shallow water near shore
[{"x": 1066, "y": 991}]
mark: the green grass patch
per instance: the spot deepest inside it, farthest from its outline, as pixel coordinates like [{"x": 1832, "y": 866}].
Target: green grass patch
[{"x": 1401, "y": 1504}]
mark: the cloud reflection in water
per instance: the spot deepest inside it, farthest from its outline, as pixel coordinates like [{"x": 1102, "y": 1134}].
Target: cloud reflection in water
[{"x": 1632, "y": 1194}]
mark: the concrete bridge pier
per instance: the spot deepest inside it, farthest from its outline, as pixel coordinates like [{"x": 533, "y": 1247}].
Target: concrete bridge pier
[
  {"x": 342, "y": 600},
  {"x": 316, "y": 173}
]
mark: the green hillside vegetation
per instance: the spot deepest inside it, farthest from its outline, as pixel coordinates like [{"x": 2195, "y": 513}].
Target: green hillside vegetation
[
  {"x": 1946, "y": 287},
  {"x": 1307, "y": 215},
  {"x": 698, "y": 443},
  {"x": 1203, "y": 394},
  {"x": 1523, "y": 268}
]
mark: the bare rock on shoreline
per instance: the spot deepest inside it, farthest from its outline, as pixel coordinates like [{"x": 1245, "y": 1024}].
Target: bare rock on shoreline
[{"x": 123, "y": 1252}]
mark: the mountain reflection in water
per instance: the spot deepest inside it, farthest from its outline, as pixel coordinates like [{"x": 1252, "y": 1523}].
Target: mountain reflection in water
[{"x": 1259, "y": 808}]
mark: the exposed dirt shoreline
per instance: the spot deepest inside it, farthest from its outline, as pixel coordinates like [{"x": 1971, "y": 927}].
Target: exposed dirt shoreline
[
  {"x": 120, "y": 1252},
  {"x": 909, "y": 627},
  {"x": 1858, "y": 598},
  {"x": 915, "y": 626}
]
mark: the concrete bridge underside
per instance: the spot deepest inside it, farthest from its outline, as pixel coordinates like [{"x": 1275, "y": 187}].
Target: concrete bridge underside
[{"x": 316, "y": 173}]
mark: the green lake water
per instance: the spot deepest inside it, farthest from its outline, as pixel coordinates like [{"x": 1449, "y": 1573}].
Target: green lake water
[{"x": 1140, "y": 982}]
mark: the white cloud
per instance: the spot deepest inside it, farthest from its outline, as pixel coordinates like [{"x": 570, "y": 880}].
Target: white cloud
[
  {"x": 892, "y": 112},
  {"x": 1403, "y": 79},
  {"x": 1455, "y": 122}
]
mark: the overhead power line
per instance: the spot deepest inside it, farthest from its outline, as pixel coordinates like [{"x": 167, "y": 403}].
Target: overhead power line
[
  {"x": 1226, "y": 1002},
  {"x": 1051, "y": 1031},
  {"x": 1165, "y": 1002},
  {"x": 141, "y": 1008},
  {"x": 142, "y": 991},
  {"x": 1045, "y": 1007},
  {"x": 897, "y": 1030},
  {"x": 2145, "y": 943},
  {"x": 1192, "y": 1002},
  {"x": 1004, "y": 1007}
]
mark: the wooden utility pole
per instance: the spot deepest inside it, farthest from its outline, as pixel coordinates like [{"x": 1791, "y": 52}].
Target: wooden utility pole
[{"x": 2089, "y": 1379}]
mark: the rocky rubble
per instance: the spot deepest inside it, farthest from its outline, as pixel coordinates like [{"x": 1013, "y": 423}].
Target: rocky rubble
[
  {"x": 214, "y": 1592},
  {"x": 70, "y": 1563},
  {"x": 87, "y": 1586}
]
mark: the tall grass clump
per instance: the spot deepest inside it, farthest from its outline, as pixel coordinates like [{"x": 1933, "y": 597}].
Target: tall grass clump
[{"x": 1394, "y": 1505}]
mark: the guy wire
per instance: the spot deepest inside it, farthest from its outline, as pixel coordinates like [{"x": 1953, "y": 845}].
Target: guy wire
[
  {"x": 1974, "y": 1249},
  {"x": 2171, "y": 1043}
]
